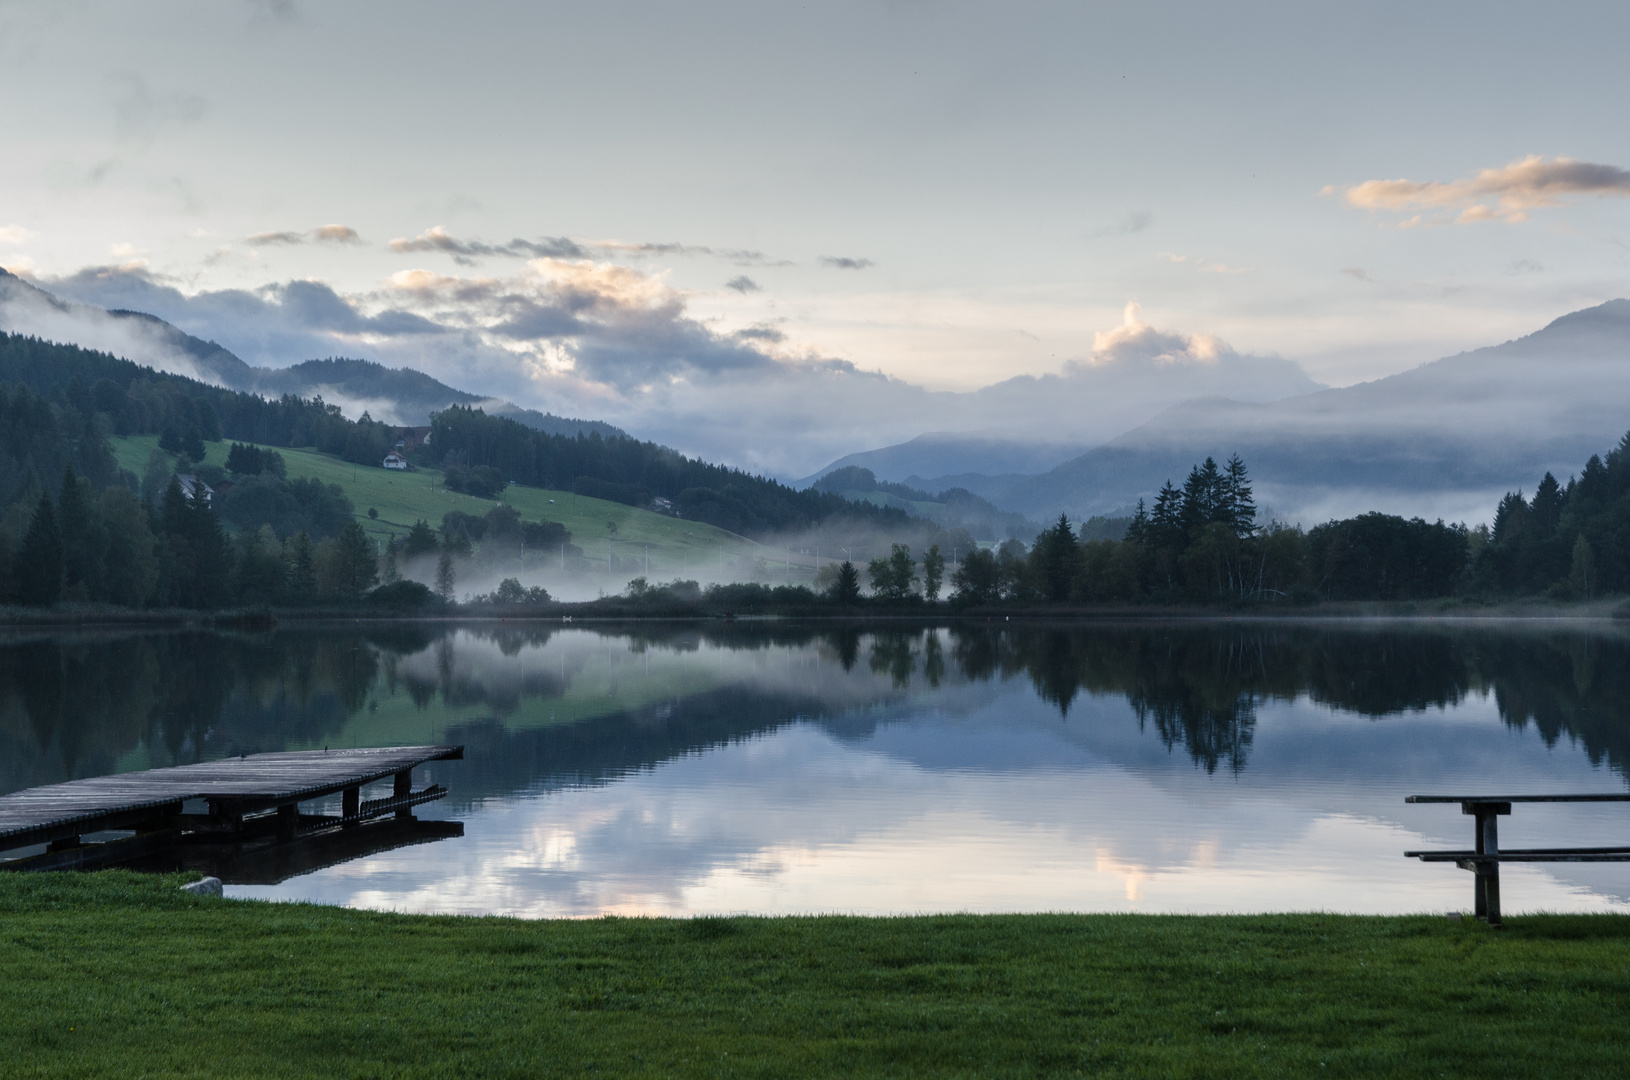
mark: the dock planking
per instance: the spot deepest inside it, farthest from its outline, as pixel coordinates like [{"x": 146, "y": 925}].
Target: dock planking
[{"x": 233, "y": 787}]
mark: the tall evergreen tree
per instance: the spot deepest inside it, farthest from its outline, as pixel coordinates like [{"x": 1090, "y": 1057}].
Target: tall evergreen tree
[
  {"x": 37, "y": 571},
  {"x": 356, "y": 568},
  {"x": 299, "y": 569},
  {"x": 1237, "y": 505},
  {"x": 1053, "y": 560},
  {"x": 1201, "y": 496},
  {"x": 1547, "y": 507},
  {"x": 846, "y": 589},
  {"x": 80, "y": 578},
  {"x": 444, "y": 575},
  {"x": 1166, "y": 522}
]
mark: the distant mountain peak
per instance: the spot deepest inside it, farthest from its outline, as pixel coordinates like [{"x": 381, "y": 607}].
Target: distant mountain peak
[{"x": 396, "y": 395}]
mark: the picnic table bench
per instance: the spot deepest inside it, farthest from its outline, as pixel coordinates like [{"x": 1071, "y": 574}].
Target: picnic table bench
[{"x": 1484, "y": 859}]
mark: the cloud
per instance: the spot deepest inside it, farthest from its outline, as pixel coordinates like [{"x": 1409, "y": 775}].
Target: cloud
[
  {"x": 1204, "y": 266},
  {"x": 742, "y": 283},
  {"x": 1135, "y": 221},
  {"x": 1358, "y": 273},
  {"x": 275, "y": 11},
  {"x": 1135, "y": 341},
  {"x": 1525, "y": 266},
  {"x": 16, "y": 234},
  {"x": 437, "y": 238},
  {"x": 1503, "y": 194},
  {"x": 464, "y": 252},
  {"x": 323, "y": 234},
  {"x": 140, "y": 113},
  {"x": 842, "y": 262},
  {"x": 602, "y": 340}
]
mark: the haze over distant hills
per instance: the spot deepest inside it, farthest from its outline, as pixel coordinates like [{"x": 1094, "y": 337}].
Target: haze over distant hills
[
  {"x": 1447, "y": 438},
  {"x": 394, "y": 395}
]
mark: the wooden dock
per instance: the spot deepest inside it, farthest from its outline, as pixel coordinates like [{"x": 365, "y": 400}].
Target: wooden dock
[{"x": 251, "y": 797}]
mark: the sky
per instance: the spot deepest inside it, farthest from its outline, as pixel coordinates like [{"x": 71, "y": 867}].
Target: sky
[{"x": 775, "y": 233}]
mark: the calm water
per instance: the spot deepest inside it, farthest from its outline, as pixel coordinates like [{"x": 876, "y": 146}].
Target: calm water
[{"x": 792, "y": 768}]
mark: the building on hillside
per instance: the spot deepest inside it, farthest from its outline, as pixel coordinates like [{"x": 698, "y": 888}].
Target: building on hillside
[
  {"x": 393, "y": 460},
  {"x": 409, "y": 439},
  {"x": 194, "y": 488}
]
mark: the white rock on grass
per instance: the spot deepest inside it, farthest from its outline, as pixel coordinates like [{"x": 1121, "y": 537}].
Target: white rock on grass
[{"x": 210, "y": 886}]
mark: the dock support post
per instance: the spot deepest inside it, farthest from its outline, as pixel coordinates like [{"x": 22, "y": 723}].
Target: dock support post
[
  {"x": 288, "y": 821},
  {"x": 403, "y": 787},
  {"x": 351, "y": 804}
]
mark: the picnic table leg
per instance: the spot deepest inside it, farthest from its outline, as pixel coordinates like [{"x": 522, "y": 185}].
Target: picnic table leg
[{"x": 1488, "y": 843}]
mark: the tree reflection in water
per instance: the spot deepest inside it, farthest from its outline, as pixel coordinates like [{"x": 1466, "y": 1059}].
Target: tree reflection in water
[{"x": 82, "y": 704}]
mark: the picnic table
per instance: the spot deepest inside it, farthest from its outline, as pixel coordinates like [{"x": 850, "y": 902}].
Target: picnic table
[{"x": 1484, "y": 859}]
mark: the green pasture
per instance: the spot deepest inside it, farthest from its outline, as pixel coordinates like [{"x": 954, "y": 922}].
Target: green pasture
[
  {"x": 676, "y": 547},
  {"x": 118, "y": 975}
]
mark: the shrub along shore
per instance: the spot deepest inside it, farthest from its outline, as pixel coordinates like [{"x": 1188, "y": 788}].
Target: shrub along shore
[{"x": 117, "y": 974}]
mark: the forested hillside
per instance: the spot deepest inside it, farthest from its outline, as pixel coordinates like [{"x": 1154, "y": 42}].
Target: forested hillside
[{"x": 74, "y": 525}]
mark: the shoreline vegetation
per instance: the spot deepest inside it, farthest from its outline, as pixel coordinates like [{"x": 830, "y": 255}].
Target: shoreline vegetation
[
  {"x": 624, "y": 609},
  {"x": 98, "y": 973},
  {"x": 123, "y": 487}
]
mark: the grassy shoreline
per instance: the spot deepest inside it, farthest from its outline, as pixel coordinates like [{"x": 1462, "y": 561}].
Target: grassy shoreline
[{"x": 115, "y": 974}]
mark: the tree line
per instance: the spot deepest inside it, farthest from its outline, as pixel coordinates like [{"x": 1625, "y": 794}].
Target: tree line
[{"x": 1203, "y": 542}]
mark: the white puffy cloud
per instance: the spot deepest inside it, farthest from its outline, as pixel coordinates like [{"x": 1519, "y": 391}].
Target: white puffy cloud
[{"x": 1135, "y": 341}]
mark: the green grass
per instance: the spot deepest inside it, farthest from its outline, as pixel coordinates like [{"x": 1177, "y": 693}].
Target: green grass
[
  {"x": 115, "y": 975},
  {"x": 402, "y": 498}
]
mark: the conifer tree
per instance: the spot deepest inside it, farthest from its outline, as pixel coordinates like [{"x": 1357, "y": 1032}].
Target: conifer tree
[
  {"x": 38, "y": 569},
  {"x": 356, "y": 567},
  {"x": 78, "y": 539},
  {"x": 444, "y": 576},
  {"x": 1238, "y": 507},
  {"x": 846, "y": 589},
  {"x": 299, "y": 568}
]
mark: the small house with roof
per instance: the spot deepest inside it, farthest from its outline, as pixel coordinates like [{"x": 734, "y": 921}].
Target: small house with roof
[{"x": 195, "y": 489}]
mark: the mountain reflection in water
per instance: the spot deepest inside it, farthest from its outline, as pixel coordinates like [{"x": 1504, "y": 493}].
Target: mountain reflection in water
[{"x": 1187, "y": 713}]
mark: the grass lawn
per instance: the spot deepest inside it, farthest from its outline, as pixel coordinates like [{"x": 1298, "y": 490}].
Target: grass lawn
[
  {"x": 677, "y": 548},
  {"x": 122, "y": 976}
]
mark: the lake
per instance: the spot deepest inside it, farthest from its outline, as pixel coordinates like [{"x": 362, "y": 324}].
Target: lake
[{"x": 780, "y": 767}]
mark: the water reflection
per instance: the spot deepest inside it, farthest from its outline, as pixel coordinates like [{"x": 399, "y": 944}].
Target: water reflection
[{"x": 781, "y": 766}]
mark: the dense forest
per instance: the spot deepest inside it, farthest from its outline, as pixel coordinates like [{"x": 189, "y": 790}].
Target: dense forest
[{"x": 144, "y": 541}]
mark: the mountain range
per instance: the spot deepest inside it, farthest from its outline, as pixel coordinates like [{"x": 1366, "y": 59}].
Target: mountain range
[
  {"x": 1447, "y": 438},
  {"x": 394, "y": 395}
]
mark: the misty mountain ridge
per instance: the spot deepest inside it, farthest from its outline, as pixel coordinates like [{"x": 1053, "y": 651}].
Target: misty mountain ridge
[
  {"x": 400, "y": 396},
  {"x": 1447, "y": 438},
  {"x": 939, "y": 454}
]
